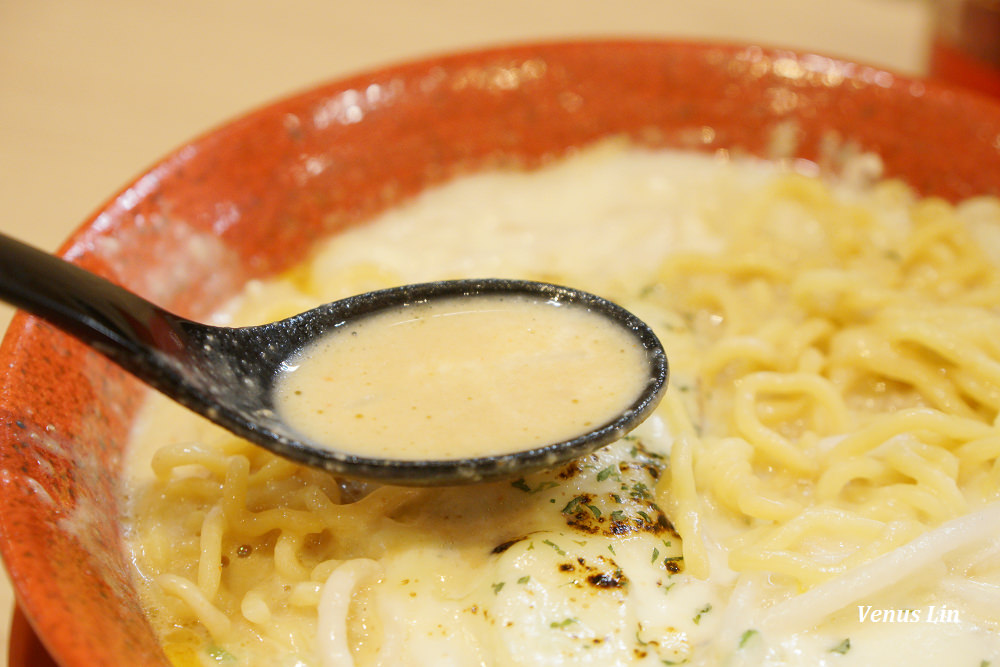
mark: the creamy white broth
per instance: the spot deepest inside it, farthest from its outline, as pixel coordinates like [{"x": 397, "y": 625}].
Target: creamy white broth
[
  {"x": 586, "y": 564},
  {"x": 462, "y": 378}
]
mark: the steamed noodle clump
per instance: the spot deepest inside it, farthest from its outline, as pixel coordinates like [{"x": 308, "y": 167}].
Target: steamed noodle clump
[{"x": 820, "y": 484}]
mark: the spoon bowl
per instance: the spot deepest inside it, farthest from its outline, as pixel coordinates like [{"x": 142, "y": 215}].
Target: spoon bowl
[{"x": 228, "y": 374}]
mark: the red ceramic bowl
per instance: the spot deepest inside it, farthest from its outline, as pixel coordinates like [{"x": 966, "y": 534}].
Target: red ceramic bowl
[{"x": 249, "y": 199}]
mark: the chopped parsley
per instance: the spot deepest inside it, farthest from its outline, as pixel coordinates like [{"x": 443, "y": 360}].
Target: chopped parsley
[
  {"x": 640, "y": 491},
  {"x": 497, "y": 587},
  {"x": 563, "y": 623},
  {"x": 701, "y": 612},
  {"x": 554, "y": 546},
  {"x": 573, "y": 504},
  {"x": 843, "y": 647},
  {"x": 522, "y": 485},
  {"x": 608, "y": 472},
  {"x": 746, "y": 636}
]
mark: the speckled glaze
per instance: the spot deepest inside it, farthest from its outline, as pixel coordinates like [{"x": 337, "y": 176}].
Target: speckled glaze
[{"x": 249, "y": 199}]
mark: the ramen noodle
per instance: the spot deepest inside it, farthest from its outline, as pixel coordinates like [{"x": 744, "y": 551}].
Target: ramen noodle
[{"x": 818, "y": 487}]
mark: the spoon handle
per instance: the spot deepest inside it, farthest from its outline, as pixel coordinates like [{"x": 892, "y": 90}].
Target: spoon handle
[{"x": 119, "y": 324}]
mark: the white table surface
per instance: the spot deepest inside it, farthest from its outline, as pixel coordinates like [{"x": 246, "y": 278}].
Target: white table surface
[{"x": 92, "y": 93}]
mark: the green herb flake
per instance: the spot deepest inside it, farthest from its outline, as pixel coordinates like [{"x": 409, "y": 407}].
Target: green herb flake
[
  {"x": 843, "y": 647},
  {"x": 595, "y": 511},
  {"x": 554, "y": 546},
  {"x": 746, "y": 636},
  {"x": 640, "y": 491},
  {"x": 525, "y": 579},
  {"x": 618, "y": 515},
  {"x": 656, "y": 554},
  {"x": 605, "y": 473},
  {"x": 611, "y": 548},
  {"x": 701, "y": 612},
  {"x": 563, "y": 623},
  {"x": 573, "y": 504},
  {"x": 497, "y": 587},
  {"x": 521, "y": 485}
]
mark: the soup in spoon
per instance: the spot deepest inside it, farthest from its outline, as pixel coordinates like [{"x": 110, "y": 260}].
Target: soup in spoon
[{"x": 463, "y": 378}]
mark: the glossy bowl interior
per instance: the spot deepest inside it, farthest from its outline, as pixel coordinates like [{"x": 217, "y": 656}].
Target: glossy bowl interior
[{"x": 249, "y": 199}]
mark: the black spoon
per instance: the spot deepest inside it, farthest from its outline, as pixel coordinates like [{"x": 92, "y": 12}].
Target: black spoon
[{"x": 227, "y": 374}]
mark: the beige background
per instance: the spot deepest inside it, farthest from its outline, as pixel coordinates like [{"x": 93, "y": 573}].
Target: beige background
[{"x": 91, "y": 93}]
